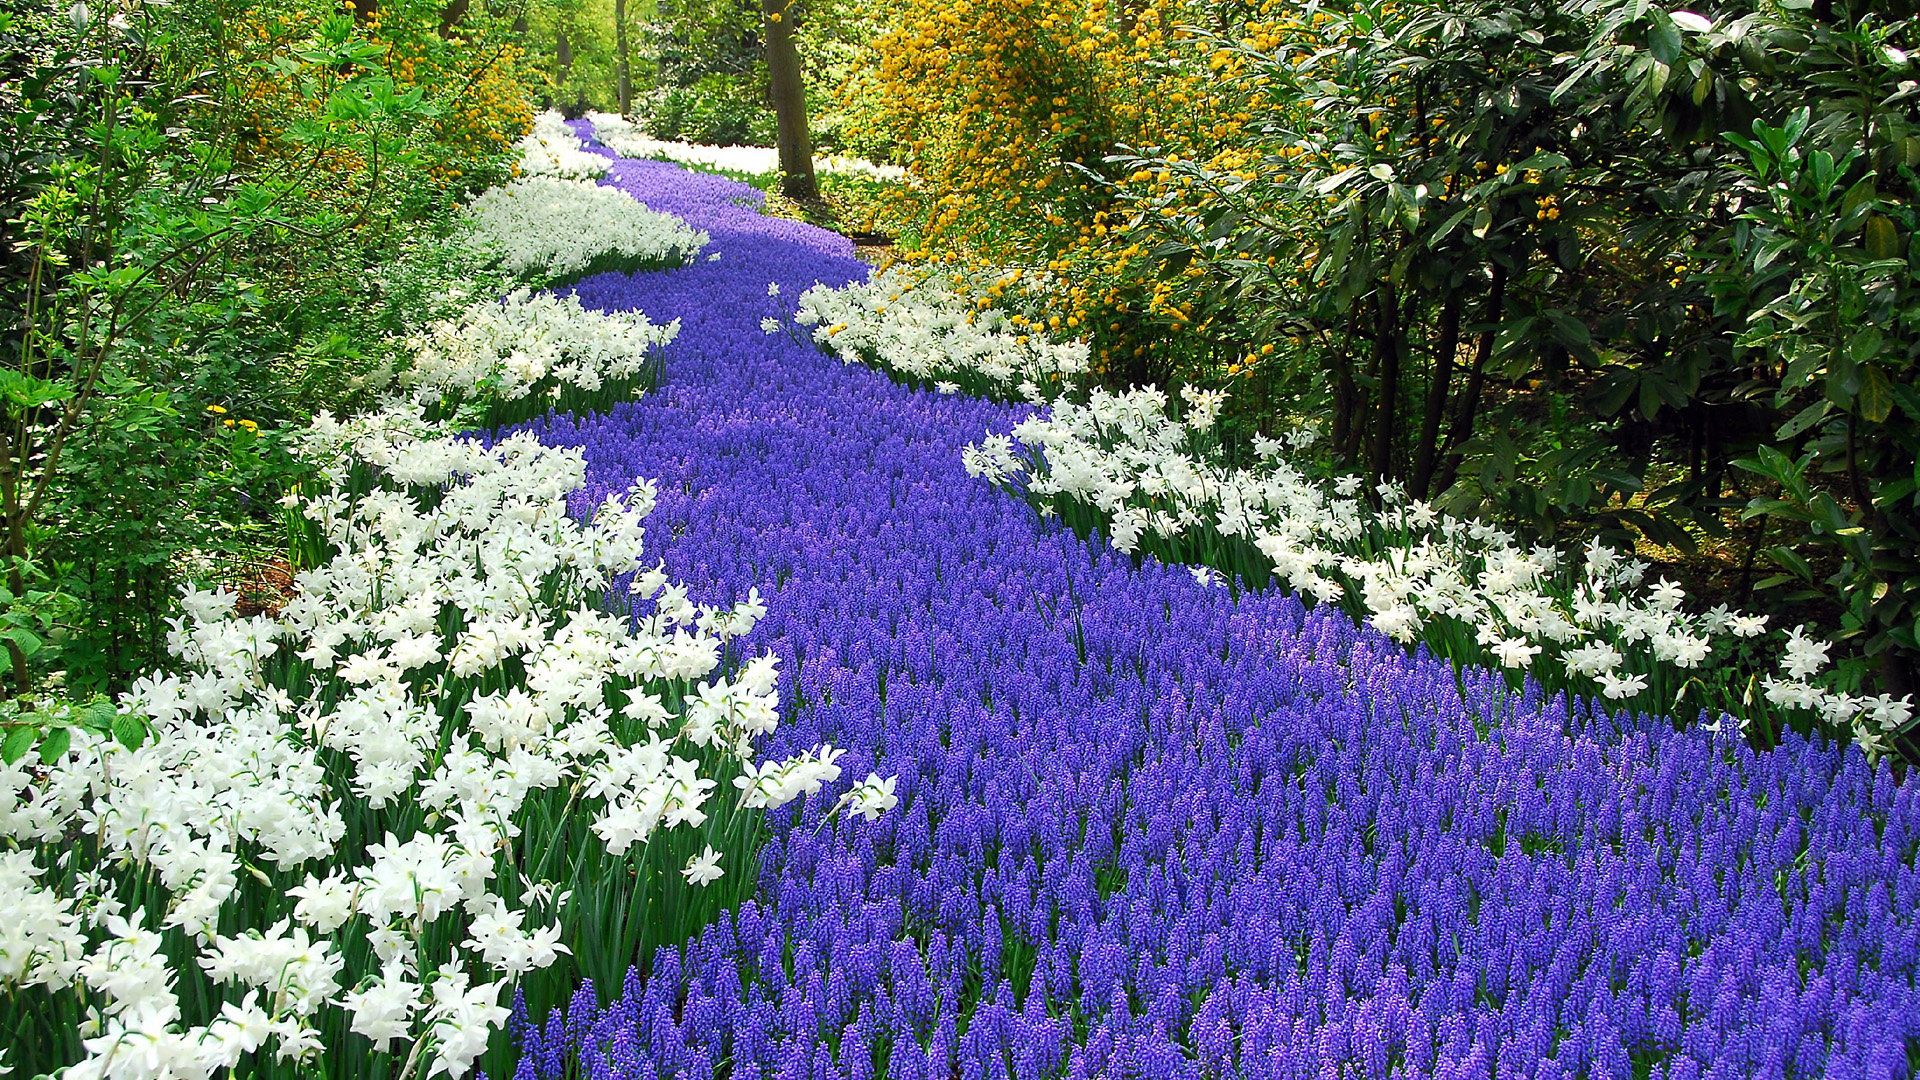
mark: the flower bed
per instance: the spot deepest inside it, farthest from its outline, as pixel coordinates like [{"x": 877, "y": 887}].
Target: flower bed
[
  {"x": 444, "y": 770},
  {"x": 931, "y": 327},
  {"x": 621, "y": 137},
  {"x": 504, "y": 361},
  {"x": 552, "y": 149},
  {"x": 1149, "y": 827},
  {"x": 555, "y": 232},
  {"x": 1157, "y": 484}
]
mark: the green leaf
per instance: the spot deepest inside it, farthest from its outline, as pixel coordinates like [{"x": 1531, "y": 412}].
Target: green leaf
[
  {"x": 28, "y": 642},
  {"x": 1446, "y": 227},
  {"x": 1545, "y": 159},
  {"x": 1567, "y": 329},
  {"x": 19, "y": 741},
  {"x": 1876, "y": 395},
  {"x": 1482, "y": 221},
  {"x": 1861, "y": 194},
  {"x": 1609, "y": 395},
  {"x": 1328, "y": 185},
  {"x": 1804, "y": 419},
  {"x": 1865, "y": 344},
  {"x": 1887, "y": 495},
  {"x": 55, "y": 746},
  {"x": 1663, "y": 41},
  {"x": 1881, "y": 238},
  {"x": 30, "y": 391},
  {"x": 129, "y": 732},
  {"x": 1824, "y": 174},
  {"x": 1663, "y": 37},
  {"x": 1791, "y": 560}
]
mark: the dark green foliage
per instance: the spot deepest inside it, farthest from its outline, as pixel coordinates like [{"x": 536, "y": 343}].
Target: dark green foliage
[
  {"x": 192, "y": 218},
  {"x": 1590, "y": 268}
]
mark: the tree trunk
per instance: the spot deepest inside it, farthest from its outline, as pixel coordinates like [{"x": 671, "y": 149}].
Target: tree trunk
[
  {"x": 1470, "y": 400},
  {"x": 624, "y": 84},
  {"x": 562, "y": 56},
  {"x": 1343, "y": 395},
  {"x": 451, "y": 16},
  {"x": 1443, "y": 351},
  {"x": 789, "y": 105},
  {"x": 1386, "y": 346}
]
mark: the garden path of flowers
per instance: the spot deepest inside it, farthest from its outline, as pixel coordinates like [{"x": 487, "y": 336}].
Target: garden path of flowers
[{"x": 1148, "y": 829}]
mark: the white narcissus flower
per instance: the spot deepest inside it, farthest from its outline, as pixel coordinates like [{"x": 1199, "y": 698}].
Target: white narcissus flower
[
  {"x": 1805, "y": 657},
  {"x": 704, "y": 868},
  {"x": 552, "y": 149},
  {"x": 622, "y": 138},
  {"x": 1616, "y": 687},
  {"x": 511, "y": 347},
  {"x": 928, "y": 324},
  {"x": 874, "y": 796},
  {"x": 383, "y": 1011},
  {"x": 462, "y": 1019},
  {"x": 496, "y": 936}
]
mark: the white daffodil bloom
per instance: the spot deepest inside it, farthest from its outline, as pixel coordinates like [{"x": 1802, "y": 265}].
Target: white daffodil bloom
[{"x": 704, "y": 868}]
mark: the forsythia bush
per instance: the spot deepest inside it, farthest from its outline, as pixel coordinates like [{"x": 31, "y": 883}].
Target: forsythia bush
[{"x": 1009, "y": 110}]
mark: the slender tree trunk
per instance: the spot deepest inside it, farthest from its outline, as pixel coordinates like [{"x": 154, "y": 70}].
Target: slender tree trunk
[
  {"x": 1342, "y": 406},
  {"x": 15, "y": 549},
  {"x": 452, "y": 15},
  {"x": 1463, "y": 419},
  {"x": 623, "y": 80},
  {"x": 1443, "y": 350},
  {"x": 1387, "y": 347},
  {"x": 789, "y": 104},
  {"x": 562, "y": 56}
]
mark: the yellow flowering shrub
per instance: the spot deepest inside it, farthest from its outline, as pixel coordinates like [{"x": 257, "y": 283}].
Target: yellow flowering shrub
[
  {"x": 473, "y": 78},
  {"x": 1008, "y": 112}
]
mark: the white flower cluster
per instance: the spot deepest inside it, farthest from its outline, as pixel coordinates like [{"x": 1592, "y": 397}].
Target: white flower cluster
[
  {"x": 449, "y": 666},
  {"x": 1403, "y": 566},
  {"x": 937, "y": 326},
  {"x": 552, "y": 149},
  {"x": 531, "y": 342},
  {"x": 567, "y": 228},
  {"x": 620, "y": 136}
]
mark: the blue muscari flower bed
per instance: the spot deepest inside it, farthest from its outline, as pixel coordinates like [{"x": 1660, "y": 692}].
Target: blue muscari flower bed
[{"x": 1149, "y": 829}]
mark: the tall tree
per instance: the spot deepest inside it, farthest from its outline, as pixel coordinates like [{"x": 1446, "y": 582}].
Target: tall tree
[
  {"x": 789, "y": 104},
  {"x": 623, "y": 71}
]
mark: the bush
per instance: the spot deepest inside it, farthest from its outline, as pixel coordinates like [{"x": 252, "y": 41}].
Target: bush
[
  {"x": 714, "y": 110},
  {"x": 196, "y": 201}
]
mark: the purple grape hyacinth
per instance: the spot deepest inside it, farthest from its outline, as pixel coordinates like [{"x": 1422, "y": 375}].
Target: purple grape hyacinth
[{"x": 1152, "y": 829}]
